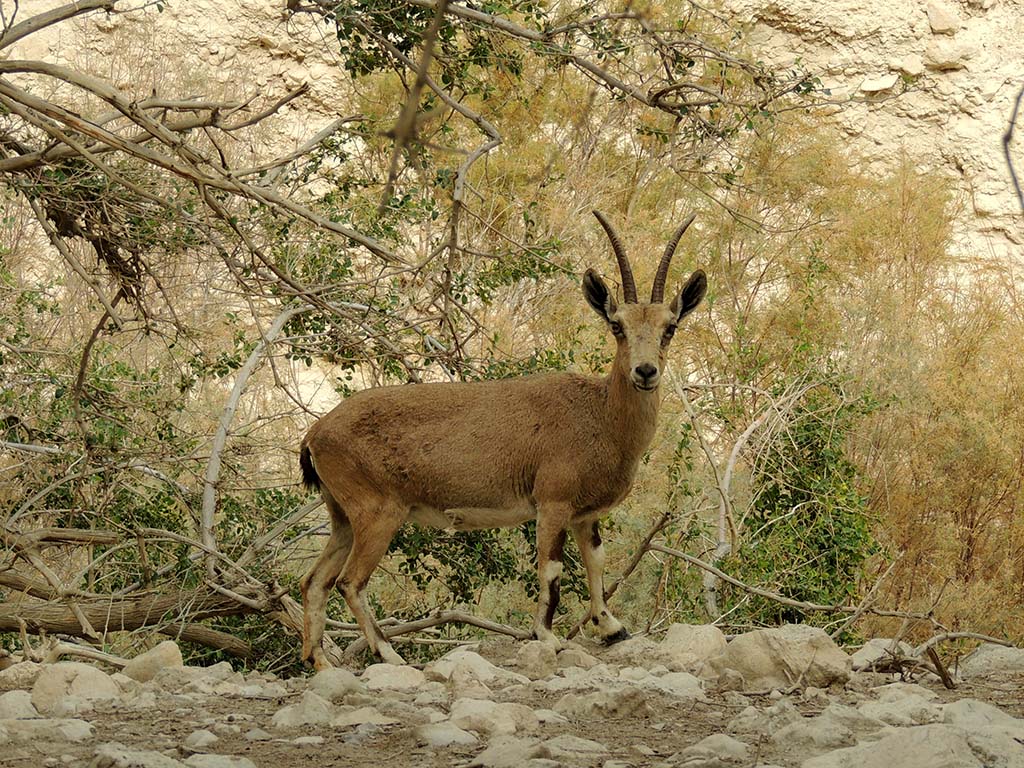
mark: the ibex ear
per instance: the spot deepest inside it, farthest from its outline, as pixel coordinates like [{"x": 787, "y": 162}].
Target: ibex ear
[
  {"x": 688, "y": 298},
  {"x": 598, "y": 295}
]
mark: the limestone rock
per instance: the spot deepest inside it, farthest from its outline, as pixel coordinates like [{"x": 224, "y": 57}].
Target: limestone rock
[
  {"x": 911, "y": 65},
  {"x": 473, "y": 666},
  {"x": 824, "y": 732},
  {"x": 335, "y": 684},
  {"x": 311, "y": 709},
  {"x": 877, "y": 650},
  {"x": 879, "y": 84},
  {"x": 55, "y": 729},
  {"x": 680, "y": 684},
  {"x": 71, "y": 679},
  {"x": 20, "y": 675},
  {"x": 444, "y": 734},
  {"x": 392, "y": 676},
  {"x": 988, "y": 659},
  {"x": 783, "y": 656},
  {"x": 509, "y": 752},
  {"x": 114, "y": 755},
  {"x": 768, "y": 721},
  {"x": 362, "y": 716},
  {"x": 219, "y": 761},
  {"x": 576, "y": 657},
  {"x": 971, "y": 714},
  {"x": 942, "y": 19},
  {"x": 200, "y": 740},
  {"x": 145, "y": 667},
  {"x": 566, "y": 746},
  {"x": 536, "y": 659},
  {"x": 928, "y": 746},
  {"x": 902, "y": 706},
  {"x": 16, "y": 705},
  {"x": 489, "y": 717},
  {"x": 630, "y": 702},
  {"x": 687, "y": 647},
  {"x": 636, "y": 652},
  {"x": 717, "y": 746},
  {"x": 946, "y": 54}
]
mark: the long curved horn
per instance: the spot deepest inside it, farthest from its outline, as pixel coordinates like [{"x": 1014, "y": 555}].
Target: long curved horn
[
  {"x": 628, "y": 284},
  {"x": 658, "y": 289}
]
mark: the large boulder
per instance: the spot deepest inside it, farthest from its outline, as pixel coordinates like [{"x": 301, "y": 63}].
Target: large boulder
[
  {"x": 927, "y": 746},
  {"x": 794, "y": 655},
  {"x": 146, "y": 666},
  {"x": 71, "y": 680},
  {"x": 688, "y": 647},
  {"x": 992, "y": 659}
]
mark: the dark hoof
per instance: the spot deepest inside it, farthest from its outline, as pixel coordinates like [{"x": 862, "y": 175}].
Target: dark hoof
[{"x": 618, "y": 637}]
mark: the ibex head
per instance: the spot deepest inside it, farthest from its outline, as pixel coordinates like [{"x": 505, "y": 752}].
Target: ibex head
[{"x": 643, "y": 331}]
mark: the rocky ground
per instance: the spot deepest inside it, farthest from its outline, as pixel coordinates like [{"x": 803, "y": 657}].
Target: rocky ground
[{"x": 780, "y": 697}]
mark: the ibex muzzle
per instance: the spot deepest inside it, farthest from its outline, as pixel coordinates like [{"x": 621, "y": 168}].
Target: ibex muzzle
[{"x": 560, "y": 448}]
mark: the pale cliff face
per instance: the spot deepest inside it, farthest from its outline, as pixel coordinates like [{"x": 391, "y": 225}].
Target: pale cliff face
[{"x": 962, "y": 59}]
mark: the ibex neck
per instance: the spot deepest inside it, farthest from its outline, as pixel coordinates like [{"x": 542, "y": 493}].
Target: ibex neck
[{"x": 634, "y": 413}]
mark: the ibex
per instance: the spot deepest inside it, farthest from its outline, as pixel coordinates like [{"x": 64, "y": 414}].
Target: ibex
[{"x": 559, "y": 447}]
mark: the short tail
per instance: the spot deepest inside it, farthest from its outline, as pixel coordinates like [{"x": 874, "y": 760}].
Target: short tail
[{"x": 310, "y": 478}]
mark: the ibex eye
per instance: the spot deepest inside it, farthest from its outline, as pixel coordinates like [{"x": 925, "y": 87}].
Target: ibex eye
[
  {"x": 616, "y": 328},
  {"x": 670, "y": 331}
]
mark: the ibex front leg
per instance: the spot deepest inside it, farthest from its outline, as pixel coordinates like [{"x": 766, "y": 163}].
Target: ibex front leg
[
  {"x": 550, "y": 543},
  {"x": 588, "y": 538}
]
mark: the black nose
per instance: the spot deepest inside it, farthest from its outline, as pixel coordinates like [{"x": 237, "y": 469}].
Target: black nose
[{"x": 646, "y": 371}]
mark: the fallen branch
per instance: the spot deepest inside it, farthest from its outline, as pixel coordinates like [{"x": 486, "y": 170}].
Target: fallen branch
[
  {"x": 774, "y": 596},
  {"x": 444, "y": 617}
]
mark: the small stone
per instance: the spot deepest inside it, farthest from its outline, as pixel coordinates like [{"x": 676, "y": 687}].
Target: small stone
[
  {"x": 687, "y": 647},
  {"x": 536, "y": 659},
  {"x": 509, "y": 752},
  {"x": 462, "y": 666},
  {"x": 219, "y": 761},
  {"x": 566, "y": 746},
  {"x": 114, "y": 755},
  {"x": 489, "y": 717},
  {"x": 877, "y": 651},
  {"x": 257, "y": 734},
  {"x": 15, "y": 705},
  {"x": 912, "y": 66},
  {"x": 575, "y": 657},
  {"x": 941, "y": 19},
  {"x": 335, "y": 684},
  {"x": 198, "y": 740},
  {"x": 58, "y": 683},
  {"x": 680, "y": 684},
  {"x": 948, "y": 54},
  {"x": 718, "y": 745},
  {"x": 438, "y": 735},
  {"x": 55, "y": 729},
  {"x": 146, "y": 666},
  {"x": 309, "y": 710},
  {"x": 308, "y": 741},
  {"x": 630, "y": 702},
  {"x": 20, "y": 675},
  {"x": 362, "y": 716},
  {"x": 393, "y": 677},
  {"x": 878, "y": 84}
]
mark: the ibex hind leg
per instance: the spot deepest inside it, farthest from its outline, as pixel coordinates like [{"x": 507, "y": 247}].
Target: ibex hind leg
[
  {"x": 317, "y": 584},
  {"x": 588, "y": 539},
  {"x": 372, "y": 536}
]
